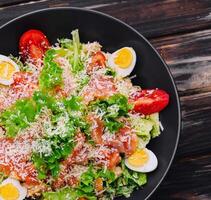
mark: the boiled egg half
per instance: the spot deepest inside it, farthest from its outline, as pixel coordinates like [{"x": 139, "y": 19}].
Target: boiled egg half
[
  {"x": 11, "y": 189},
  {"x": 7, "y": 68},
  {"x": 143, "y": 160},
  {"x": 123, "y": 61}
]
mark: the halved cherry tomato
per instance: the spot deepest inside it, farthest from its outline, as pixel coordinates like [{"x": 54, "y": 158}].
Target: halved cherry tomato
[
  {"x": 150, "y": 101},
  {"x": 32, "y": 45},
  {"x": 98, "y": 60}
]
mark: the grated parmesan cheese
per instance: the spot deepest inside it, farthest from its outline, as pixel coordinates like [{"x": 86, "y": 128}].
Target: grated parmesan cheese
[
  {"x": 60, "y": 129},
  {"x": 42, "y": 147},
  {"x": 125, "y": 87}
]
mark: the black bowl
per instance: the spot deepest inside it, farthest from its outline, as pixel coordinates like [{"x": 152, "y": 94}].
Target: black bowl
[{"x": 151, "y": 71}]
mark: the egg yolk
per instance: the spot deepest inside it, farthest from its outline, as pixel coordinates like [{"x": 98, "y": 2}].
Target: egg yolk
[
  {"x": 9, "y": 192},
  {"x": 139, "y": 158},
  {"x": 6, "y": 70},
  {"x": 123, "y": 58}
]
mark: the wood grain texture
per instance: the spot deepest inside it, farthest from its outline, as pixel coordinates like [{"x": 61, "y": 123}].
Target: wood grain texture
[
  {"x": 12, "y": 2},
  {"x": 189, "y": 59},
  {"x": 151, "y": 17},
  {"x": 181, "y": 32}
]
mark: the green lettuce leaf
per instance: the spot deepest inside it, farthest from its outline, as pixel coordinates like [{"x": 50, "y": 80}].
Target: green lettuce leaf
[
  {"x": 113, "y": 107},
  {"x": 51, "y": 74},
  {"x": 156, "y": 125},
  {"x": 129, "y": 181},
  {"x": 76, "y": 62},
  {"x": 18, "y": 117}
]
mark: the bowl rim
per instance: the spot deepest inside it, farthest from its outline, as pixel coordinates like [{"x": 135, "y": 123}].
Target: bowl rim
[{"x": 140, "y": 35}]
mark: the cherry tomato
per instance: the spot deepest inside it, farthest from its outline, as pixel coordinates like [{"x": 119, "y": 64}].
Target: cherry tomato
[
  {"x": 150, "y": 101},
  {"x": 97, "y": 61},
  {"x": 32, "y": 45}
]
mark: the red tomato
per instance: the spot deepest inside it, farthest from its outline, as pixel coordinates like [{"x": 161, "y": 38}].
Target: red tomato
[
  {"x": 98, "y": 61},
  {"x": 32, "y": 45},
  {"x": 150, "y": 101}
]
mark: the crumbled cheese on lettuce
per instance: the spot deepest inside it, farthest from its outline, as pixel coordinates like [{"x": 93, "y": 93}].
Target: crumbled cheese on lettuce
[{"x": 42, "y": 147}]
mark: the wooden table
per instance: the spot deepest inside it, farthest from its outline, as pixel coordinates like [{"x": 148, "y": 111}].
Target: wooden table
[{"x": 181, "y": 31}]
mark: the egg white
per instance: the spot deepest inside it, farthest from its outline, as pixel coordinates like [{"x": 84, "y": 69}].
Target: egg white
[
  {"x": 22, "y": 190},
  {"x": 150, "y": 166},
  {"x": 9, "y": 60},
  {"x": 120, "y": 71}
]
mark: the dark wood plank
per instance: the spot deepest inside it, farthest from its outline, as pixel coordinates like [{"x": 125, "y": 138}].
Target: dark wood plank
[
  {"x": 152, "y": 18},
  {"x": 188, "y": 57},
  {"x": 12, "y": 2},
  {"x": 188, "y": 179}
]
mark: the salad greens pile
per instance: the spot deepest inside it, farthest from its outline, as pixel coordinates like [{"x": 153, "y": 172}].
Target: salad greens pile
[
  {"x": 114, "y": 186},
  {"x": 67, "y": 117},
  {"x": 113, "y": 108},
  {"x": 51, "y": 74}
]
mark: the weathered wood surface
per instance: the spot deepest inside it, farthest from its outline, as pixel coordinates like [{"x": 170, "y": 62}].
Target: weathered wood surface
[
  {"x": 189, "y": 59},
  {"x": 152, "y": 18},
  {"x": 181, "y": 31}
]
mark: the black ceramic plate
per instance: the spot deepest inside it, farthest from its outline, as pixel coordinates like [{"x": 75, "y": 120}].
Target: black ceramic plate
[{"x": 150, "y": 69}]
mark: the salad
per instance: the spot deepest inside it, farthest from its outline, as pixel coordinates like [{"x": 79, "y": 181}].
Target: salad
[{"x": 72, "y": 124}]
